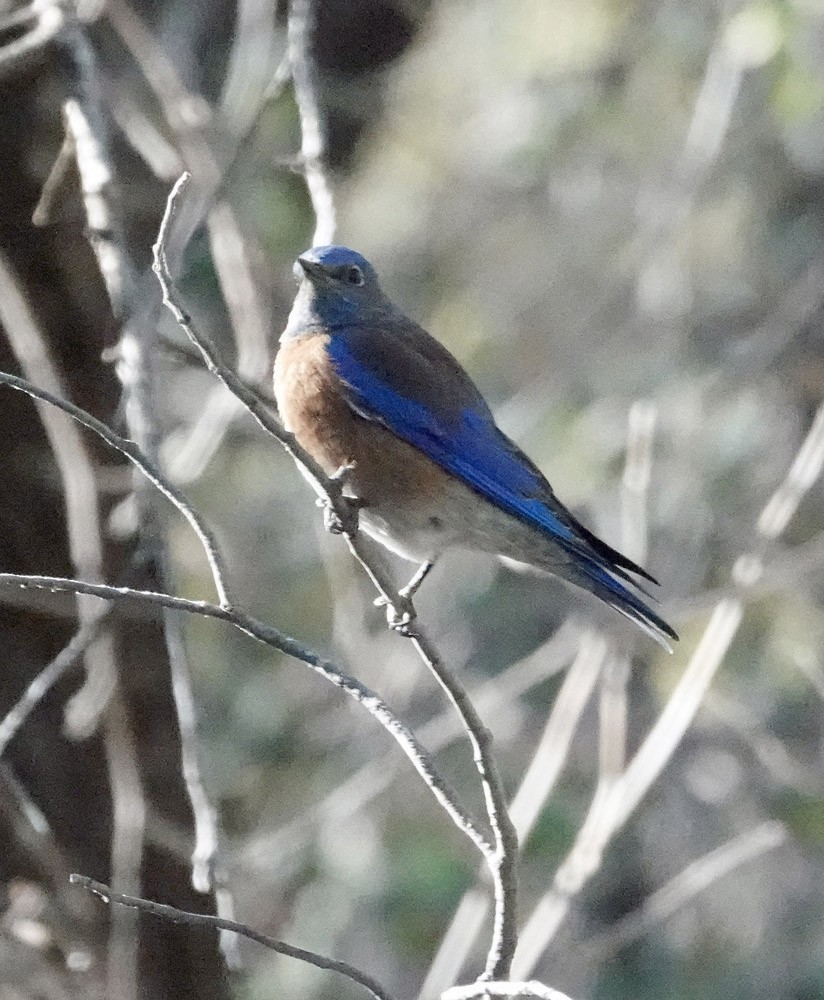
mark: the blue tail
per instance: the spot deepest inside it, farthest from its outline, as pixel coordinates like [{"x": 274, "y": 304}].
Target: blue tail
[{"x": 598, "y": 580}]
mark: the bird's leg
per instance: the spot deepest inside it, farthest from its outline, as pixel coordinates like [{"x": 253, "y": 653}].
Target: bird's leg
[
  {"x": 421, "y": 573},
  {"x": 343, "y": 521},
  {"x": 400, "y": 612},
  {"x": 340, "y": 474}
]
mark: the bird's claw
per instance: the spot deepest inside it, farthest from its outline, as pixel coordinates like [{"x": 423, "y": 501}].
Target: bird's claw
[
  {"x": 400, "y": 612},
  {"x": 342, "y": 517}
]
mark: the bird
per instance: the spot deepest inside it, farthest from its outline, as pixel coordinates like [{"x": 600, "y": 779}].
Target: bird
[{"x": 375, "y": 399}]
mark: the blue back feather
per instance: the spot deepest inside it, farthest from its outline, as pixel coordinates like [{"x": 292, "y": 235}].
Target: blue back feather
[{"x": 472, "y": 448}]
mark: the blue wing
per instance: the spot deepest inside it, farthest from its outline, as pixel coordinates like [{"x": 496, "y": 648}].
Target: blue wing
[{"x": 410, "y": 383}]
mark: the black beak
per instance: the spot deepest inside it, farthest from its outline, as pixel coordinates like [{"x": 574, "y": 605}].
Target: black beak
[{"x": 310, "y": 268}]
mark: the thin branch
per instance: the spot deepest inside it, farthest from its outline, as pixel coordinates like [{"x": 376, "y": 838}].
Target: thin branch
[
  {"x": 208, "y": 869},
  {"x": 802, "y": 473},
  {"x": 84, "y": 125},
  {"x": 553, "y": 748},
  {"x": 54, "y": 184},
  {"x": 136, "y": 457},
  {"x": 313, "y": 148},
  {"x": 535, "y": 788},
  {"x": 219, "y": 923},
  {"x": 616, "y": 800},
  {"x": 502, "y": 862},
  {"x": 77, "y": 474},
  {"x": 441, "y": 731},
  {"x": 270, "y": 636},
  {"x": 127, "y": 836},
  {"x": 50, "y": 20},
  {"x": 49, "y": 676},
  {"x": 203, "y": 813},
  {"x": 681, "y": 890},
  {"x": 503, "y": 989}
]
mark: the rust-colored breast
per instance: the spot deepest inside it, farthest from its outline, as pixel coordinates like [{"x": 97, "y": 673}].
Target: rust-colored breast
[
  {"x": 387, "y": 471},
  {"x": 308, "y": 395}
]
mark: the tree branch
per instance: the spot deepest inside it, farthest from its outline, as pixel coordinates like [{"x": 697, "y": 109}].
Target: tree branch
[
  {"x": 136, "y": 457},
  {"x": 502, "y": 862},
  {"x": 503, "y": 989},
  {"x": 221, "y": 924},
  {"x": 270, "y": 636},
  {"x": 312, "y": 147}
]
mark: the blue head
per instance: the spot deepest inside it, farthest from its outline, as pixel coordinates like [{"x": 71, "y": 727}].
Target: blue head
[{"x": 338, "y": 288}]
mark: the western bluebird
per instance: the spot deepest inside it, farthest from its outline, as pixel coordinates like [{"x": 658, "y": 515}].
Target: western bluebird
[{"x": 369, "y": 393}]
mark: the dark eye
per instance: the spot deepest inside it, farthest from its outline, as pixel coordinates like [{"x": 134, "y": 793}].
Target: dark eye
[{"x": 354, "y": 275}]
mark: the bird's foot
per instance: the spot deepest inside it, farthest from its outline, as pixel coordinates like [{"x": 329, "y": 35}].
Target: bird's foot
[
  {"x": 340, "y": 512},
  {"x": 400, "y": 612},
  {"x": 340, "y": 474},
  {"x": 340, "y": 518}
]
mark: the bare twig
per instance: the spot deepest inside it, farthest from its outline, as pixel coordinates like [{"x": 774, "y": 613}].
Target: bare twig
[
  {"x": 369, "y": 780},
  {"x": 219, "y": 923},
  {"x": 276, "y": 639},
  {"x": 313, "y": 147},
  {"x": 138, "y": 459},
  {"x": 803, "y": 472},
  {"x": 96, "y": 178},
  {"x": 686, "y": 885},
  {"x": 128, "y": 829},
  {"x": 536, "y": 787},
  {"x": 615, "y": 801},
  {"x": 49, "y": 19},
  {"x": 208, "y": 870},
  {"x": 503, "y": 989},
  {"x": 502, "y": 862},
  {"x": 49, "y": 676},
  {"x": 552, "y": 751},
  {"x": 54, "y": 183},
  {"x": 86, "y": 550},
  {"x": 205, "y": 849},
  {"x": 77, "y": 474}
]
